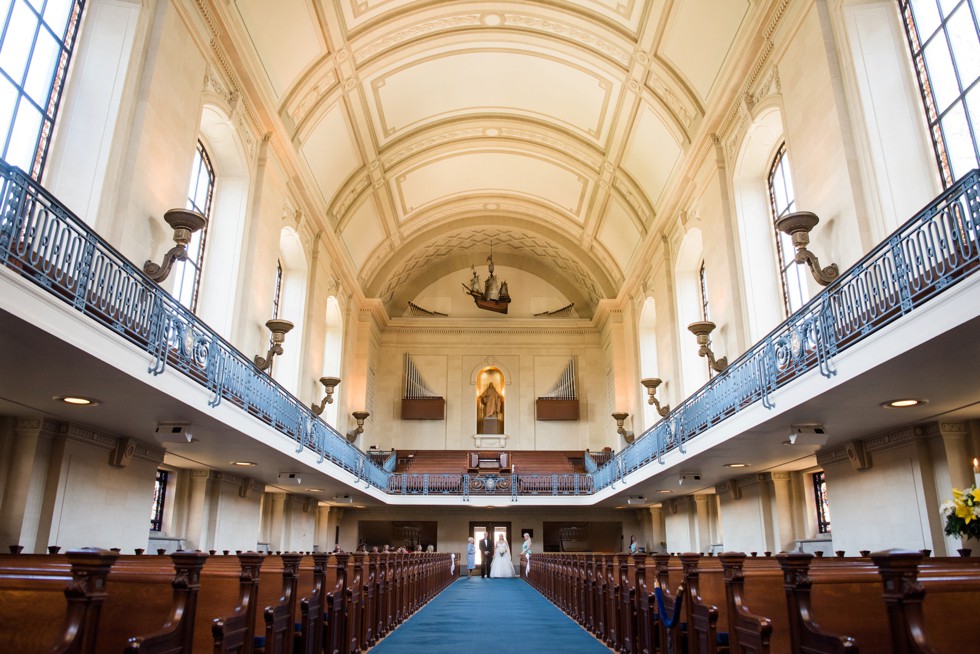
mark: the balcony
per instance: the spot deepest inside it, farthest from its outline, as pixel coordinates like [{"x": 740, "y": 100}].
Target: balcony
[{"x": 76, "y": 313}]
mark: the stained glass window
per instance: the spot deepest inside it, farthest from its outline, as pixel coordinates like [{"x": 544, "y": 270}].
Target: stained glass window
[
  {"x": 159, "y": 495},
  {"x": 36, "y": 44},
  {"x": 944, "y": 39},
  {"x": 820, "y": 497},
  {"x": 782, "y": 200},
  {"x": 187, "y": 274}
]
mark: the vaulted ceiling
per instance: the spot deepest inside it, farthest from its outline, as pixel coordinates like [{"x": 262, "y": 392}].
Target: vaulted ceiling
[{"x": 560, "y": 131}]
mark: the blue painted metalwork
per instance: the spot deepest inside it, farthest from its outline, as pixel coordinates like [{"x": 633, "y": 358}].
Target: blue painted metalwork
[
  {"x": 45, "y": 243},
  {"x": 935, "y": 249}
]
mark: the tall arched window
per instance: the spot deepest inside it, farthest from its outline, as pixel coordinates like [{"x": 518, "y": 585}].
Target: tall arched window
[
  {"x": 944, "y": 38},
  {"x": 782, "y": 200},
  {"x": 187, "y": 274},
  {"x": 705, "y": 310},
  {"x": 689, "y": 279},
  {"x": 36, "y": 44},
  {"x": 649, "y": 360}
]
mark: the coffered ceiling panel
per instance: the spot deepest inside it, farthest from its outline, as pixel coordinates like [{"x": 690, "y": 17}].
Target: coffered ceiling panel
[
  {"x": 282, "y": 59},
  {"x": 561, "y": 130},
  {"x": 495, "y": 80},
  {"x": 626, "y": 14},
  {"x": 699, "y": 36},
  {"x": 619, "y": 234},
  {"x": 330, "y": 152},
  {"x": 363, "y": 232},
  {"x": 494, "y": 173},
  {"x": 652, "y": 153}
]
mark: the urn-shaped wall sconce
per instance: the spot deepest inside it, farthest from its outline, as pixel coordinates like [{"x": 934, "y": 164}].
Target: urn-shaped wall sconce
[
  {"x": 797, "y": 225},
  {"x": 279, "y": 329},
  {"x": 184, "y": 222},
  {"x": 360, "y": 417},
  {"x": 329, "y": 384},
  {"x": 651, "y": 384},
  {"x": 702, "y": 329},
  {"x": 620, "y": 418}
]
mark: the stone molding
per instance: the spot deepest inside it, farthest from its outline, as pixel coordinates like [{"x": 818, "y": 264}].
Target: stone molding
[
  {"x": 107, "y": 441},
  {"x": 887, "y": 440}
]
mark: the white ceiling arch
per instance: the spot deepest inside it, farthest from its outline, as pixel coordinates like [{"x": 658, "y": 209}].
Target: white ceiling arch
[{"x": 575, "y": 120}]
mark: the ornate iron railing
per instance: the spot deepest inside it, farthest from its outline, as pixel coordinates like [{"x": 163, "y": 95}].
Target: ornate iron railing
[
  {"x": 934, "y": 250},
  {"x": 45, "y": 243}
]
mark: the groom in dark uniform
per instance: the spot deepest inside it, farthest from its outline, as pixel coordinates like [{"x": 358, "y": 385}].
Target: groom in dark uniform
[{"x": 485, "y": 550}]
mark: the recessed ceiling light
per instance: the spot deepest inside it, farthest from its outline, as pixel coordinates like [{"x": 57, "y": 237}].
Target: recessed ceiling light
[
  {"x": 902, "y": 403},
  {"x": 736, "y": 465},
  {"x": 315, "y": 490},
  {"x": 76, "y": 400},
  {"x": 244, "y": 464},
  {"x": 665, "y": 491}
]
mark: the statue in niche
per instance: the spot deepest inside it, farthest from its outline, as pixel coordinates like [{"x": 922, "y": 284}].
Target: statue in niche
[
  {"x": 490, "y": 403},
  {"x": 493, "y": 403}
]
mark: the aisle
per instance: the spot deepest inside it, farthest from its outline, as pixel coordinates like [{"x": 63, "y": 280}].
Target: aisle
[{"x": 491, "y": 615}]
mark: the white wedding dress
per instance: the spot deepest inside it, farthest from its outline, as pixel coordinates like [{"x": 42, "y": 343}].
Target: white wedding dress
[{"x": 502, "y": 566}]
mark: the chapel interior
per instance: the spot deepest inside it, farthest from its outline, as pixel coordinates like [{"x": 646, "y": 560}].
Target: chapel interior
[{"x": 471, "y": 266}]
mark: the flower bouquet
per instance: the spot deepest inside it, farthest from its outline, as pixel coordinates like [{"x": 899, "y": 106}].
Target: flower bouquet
[{"x": 962, "y": 513}]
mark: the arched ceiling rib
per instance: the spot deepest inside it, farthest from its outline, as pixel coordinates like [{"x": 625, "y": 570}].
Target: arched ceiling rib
[{"x": 415, "y": 119}]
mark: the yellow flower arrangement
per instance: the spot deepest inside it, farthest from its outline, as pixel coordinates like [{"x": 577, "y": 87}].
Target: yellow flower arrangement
[{"x": 962, "y": 513}]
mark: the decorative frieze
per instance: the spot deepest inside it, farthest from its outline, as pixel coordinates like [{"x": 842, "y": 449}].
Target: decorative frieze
[
  {"x": 877, "y": 443},
  {"x": 89, "y": 436}
]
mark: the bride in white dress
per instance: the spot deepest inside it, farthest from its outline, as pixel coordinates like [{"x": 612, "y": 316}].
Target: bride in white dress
[{"x": 502, "y": 566}]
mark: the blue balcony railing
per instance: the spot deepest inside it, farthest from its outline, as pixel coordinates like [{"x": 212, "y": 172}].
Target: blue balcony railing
[
  {"x": 934, "y": 250},
  {"x": 45, "y": 243}
]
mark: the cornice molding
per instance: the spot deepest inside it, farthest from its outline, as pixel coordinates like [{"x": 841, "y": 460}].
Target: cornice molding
[{"x": 107, "y": 441}]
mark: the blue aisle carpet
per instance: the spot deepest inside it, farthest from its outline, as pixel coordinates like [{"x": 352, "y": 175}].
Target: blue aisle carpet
[{"x": 492, "y": 615}]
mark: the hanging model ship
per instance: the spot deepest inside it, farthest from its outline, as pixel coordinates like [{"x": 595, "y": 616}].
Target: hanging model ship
[{"x": 491, "y": 295}]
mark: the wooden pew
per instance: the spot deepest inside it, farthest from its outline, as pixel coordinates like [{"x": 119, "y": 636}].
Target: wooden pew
[
  {"x": 311, "y": 609},
  {"x": 51, "y": 603},
  {"x": 235, "y": 633},
  {"x": 354, "y": 606},
  {"x": 627, "y": 605},
  {"x": 280, "y": 615},
  {"x": 747, "y": 631},
  {"x": 847, "y": 598},
  {"x": 920, "y": 592},
  {"x": 670, "y": 638},
  {"x": 177, "y": 633},
  {"x": 335, "y": 616}
]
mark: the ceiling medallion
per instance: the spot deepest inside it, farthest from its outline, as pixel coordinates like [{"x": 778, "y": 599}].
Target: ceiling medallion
[{"x": 492, "y": 295}]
